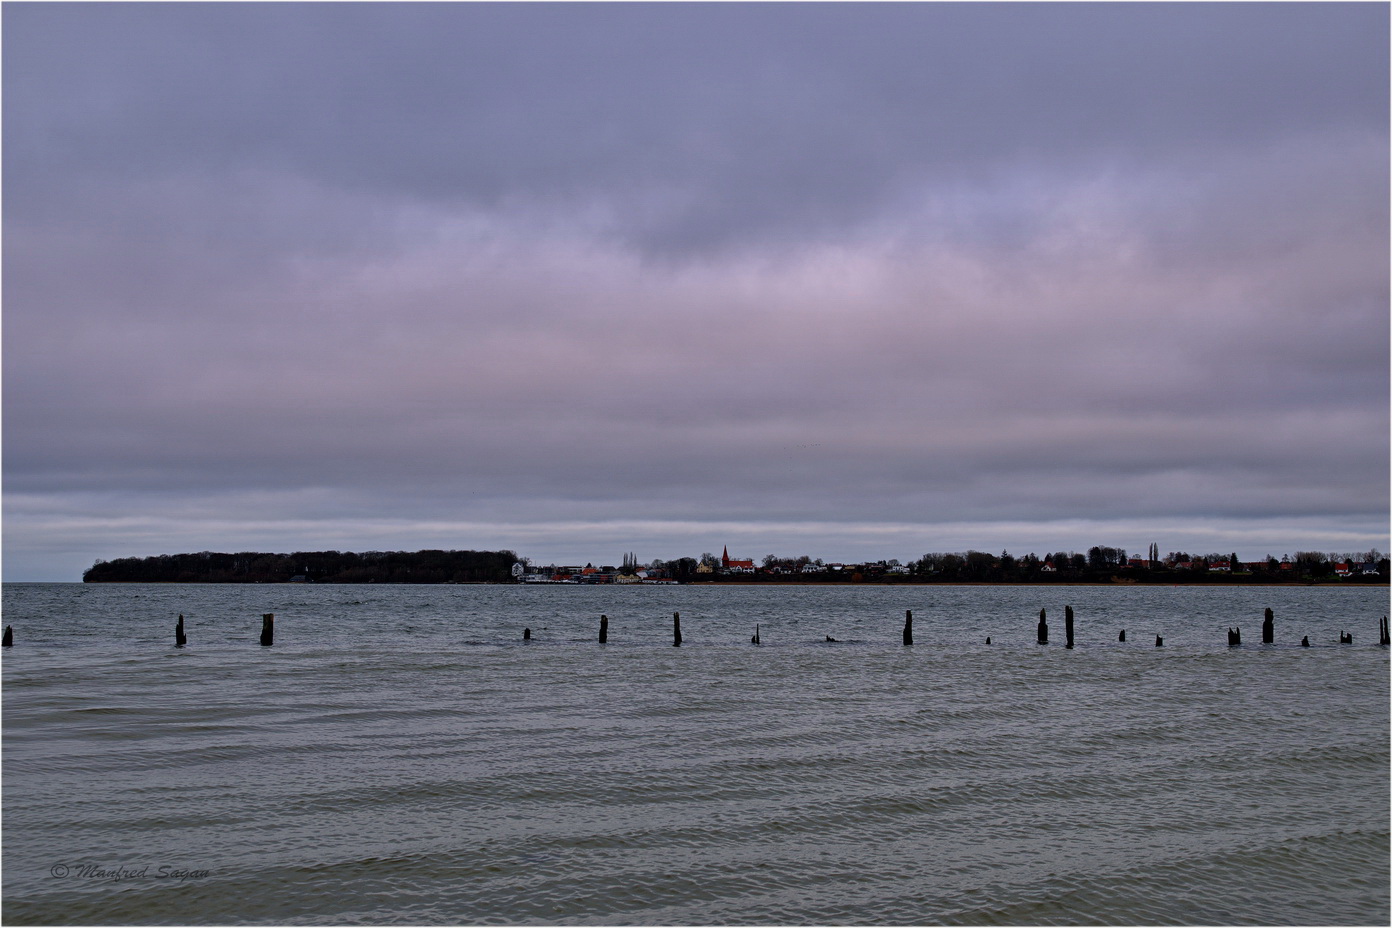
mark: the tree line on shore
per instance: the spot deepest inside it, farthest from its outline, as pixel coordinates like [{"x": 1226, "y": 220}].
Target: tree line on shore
[
  {"x": 431, "y": 566},
  {"x": 1101, "y": 564}
]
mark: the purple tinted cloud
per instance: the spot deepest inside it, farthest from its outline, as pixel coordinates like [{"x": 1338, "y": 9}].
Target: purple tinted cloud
[{"x": 531, "y": 275}]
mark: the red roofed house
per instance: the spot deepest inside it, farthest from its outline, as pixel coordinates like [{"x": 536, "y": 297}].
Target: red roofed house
[{"x": 738, "y": 566}]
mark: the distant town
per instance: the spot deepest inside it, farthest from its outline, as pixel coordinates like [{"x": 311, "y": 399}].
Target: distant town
[{"x": 1100, "y": 564}]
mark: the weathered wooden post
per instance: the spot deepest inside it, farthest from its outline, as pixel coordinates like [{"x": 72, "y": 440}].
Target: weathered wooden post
[
  {"x": 676, "y": 629},
  {"x": 1345, "y": 637},
  {"x": 180, "y": 639},
  {"x": 1122, "y": 636},
  {"x": 1234, "y": 637},
  {"x": 988, "y": 639},
  {"x": 1043, "y": 629},
  {"x": 755, "y": 639},
  {"x": 1159, "y": 642},
  {"x": 526, "y": 634},
  {"x": 1269, "y": 628},
  {"x": 1384, "y": 638},
  {"x": 1068, "y": 625},
  {"x": 604, "y": 629},
  {"x": 8, "y": 640},
  {"x": 267, "y": 629},
  {"x": 1305, "y": 642},
  {"x": 908, "y": 626}
]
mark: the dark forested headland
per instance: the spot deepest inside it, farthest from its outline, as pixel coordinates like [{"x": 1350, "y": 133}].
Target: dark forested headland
[
  {"x": 309, "y": 567},
  {"x": 1100, "y": 565}
]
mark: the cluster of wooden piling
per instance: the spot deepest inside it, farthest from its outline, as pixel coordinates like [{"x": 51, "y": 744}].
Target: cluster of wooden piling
[
  {"x": 1269, "y": 633},
  {"x": 1042, "y": 631}
]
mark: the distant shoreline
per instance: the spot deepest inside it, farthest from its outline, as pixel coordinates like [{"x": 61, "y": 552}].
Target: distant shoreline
[
  {"x": 1335, "y": 583},
  {"x": 1101, "y": 567},
  {"x": 1108, "y": 583}
]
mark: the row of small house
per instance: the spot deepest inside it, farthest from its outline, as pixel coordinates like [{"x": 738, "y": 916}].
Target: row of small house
[
  {"x": 747, "y": 567},
  {"x": 1341, "y": 569},
  {"x": 727, "y": 565},
  {"x": 591, "y": 574},
  {"x": 1367, "y": 569},
  {"x": 731, "y": 565}
]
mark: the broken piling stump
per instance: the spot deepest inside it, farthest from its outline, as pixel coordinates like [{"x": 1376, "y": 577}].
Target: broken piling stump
[
  {"x": 755, "y": 639},
  {"x": 267, "y": 629},
  {"x": 8, "y": 640},
  {"x": 1068, "y": 626},
  {"x": 603, "y": 629},
  {"x": 1159, "y": 642},
  {"x": 1234, "y": 637},
  {"x": 1043, "y": 629},
  {"x": 1345, "y": 637},
  {"x": 1384, "y": 639},
  {"x": 1122, "y": 636},
  {"x": 1305, "y": 642},
  {"x": 180, "y": 639},
  {"x": 526, "y": 634},
  {"x": 1269, "y": 628},
  {"x": 908, "y": 626},
  {"x": 676, "y": 630}
]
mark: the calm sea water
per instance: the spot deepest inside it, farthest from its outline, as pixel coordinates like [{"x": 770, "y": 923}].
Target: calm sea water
[{"x": 402, "y": 756}]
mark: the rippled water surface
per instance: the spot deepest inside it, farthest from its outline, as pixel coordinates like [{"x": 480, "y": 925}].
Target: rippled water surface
[{"x": 401, "y": 755}]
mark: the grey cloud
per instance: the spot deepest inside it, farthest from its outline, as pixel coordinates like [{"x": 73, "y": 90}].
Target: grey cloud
[
  {"x": 740, "y": 118},
  {"x": 584, "y": 266}
]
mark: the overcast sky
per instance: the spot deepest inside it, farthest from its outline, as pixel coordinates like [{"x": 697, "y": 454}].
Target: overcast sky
[{"x": 852, "y": 281}]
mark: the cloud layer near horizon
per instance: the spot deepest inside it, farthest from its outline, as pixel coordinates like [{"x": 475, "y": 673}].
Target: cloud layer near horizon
[{"x": 852, "y": 281}]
